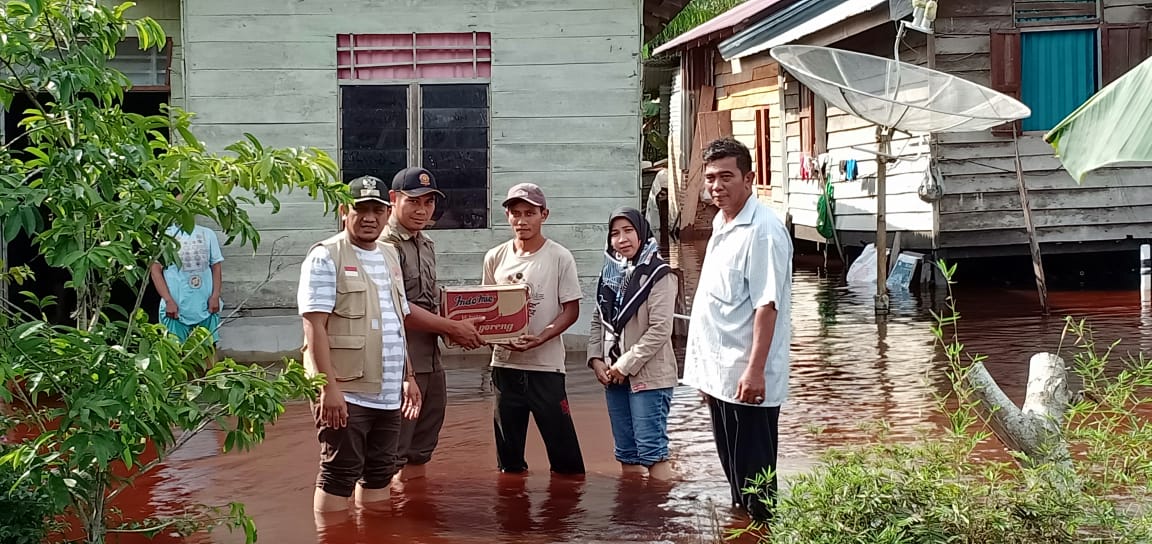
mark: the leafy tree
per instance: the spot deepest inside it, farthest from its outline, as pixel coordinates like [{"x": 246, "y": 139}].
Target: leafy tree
[
  {"x": 694, "y": 14},
  {"x": 94, "y": 188}
]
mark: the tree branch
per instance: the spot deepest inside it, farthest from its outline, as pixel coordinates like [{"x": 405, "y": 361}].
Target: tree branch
[
  {"x": 27, "y": 92},
  {"x": 183, "y": 439},
  {"x": 149, "y": 529},
  {"x": 26, "y": 133},
  {"x": 272, "y": 272},
  {"x": 55, "y": 39},
  {"x": 1036, "y": 430}
]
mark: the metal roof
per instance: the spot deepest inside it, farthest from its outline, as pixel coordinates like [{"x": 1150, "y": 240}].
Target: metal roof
[
  {"x": 792, "y": 23},
  {"x": 738, "y": 15}
]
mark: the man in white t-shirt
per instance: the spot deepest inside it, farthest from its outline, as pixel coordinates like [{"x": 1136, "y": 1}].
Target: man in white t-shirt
[
  {"x": 741, "y": 326},
  {"x": 528, "y": 374},
  {"x": 351, "y": 296}
]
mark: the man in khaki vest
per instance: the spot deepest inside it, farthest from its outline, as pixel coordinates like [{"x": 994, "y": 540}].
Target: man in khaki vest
[{"x": 351, "y": 296}]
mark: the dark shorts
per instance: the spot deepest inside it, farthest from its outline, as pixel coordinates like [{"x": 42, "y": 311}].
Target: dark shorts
[{"x": 363, "y": 452}]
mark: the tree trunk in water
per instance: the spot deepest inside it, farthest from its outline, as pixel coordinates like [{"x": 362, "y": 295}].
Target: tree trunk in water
[
  {"x": 1036, "y": 429},
  {"x": 95, "y": 520}
]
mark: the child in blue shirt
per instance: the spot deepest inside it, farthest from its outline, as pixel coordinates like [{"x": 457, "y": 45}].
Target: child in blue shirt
[{"x": 190, "y": 289}]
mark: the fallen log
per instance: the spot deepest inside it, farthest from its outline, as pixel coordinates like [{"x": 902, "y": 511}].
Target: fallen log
[{"x": 1036, "y": 428}]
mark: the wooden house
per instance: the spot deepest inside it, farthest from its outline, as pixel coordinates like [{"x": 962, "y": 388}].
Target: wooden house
[
  {"x": 484, "y": 93},
  {"x": 1052, "y": 56}
]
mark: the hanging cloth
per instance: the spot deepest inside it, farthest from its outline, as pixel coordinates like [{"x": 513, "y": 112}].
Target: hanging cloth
[{"x": 826, "y": 213}]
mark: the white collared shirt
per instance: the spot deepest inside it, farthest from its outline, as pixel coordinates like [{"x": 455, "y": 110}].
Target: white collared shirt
[{"x": 748, "y": 266}]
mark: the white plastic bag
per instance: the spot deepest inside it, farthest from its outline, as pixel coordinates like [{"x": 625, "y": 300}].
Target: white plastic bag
[
  {"x": 863, "y": 269},
  {"x": 652, "y": 209}
]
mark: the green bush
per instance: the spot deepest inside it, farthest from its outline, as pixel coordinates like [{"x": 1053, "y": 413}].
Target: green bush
[
  {"x": 939, "y": 489},
  {"x": 94, "y": 189},
  {"x": 25, "y": 510}
]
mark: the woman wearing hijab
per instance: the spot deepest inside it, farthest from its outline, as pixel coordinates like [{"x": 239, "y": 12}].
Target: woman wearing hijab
[{"x": 630, "y": 345}]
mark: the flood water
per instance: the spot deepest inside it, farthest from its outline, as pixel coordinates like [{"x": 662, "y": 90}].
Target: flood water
[{"x": 846, "y": 369}]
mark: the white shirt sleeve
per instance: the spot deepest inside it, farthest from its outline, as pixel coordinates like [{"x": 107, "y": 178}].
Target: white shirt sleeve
[
  {"x": 317, "y": 289},
  {"x": 569, "y": 284},
  {"x": 762, "y": 271}
]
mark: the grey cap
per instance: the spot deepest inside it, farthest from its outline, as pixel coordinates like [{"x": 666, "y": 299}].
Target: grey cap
[{"x": 528, "y": 192}]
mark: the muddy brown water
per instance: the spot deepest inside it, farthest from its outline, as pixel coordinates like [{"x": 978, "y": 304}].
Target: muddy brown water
[{"x": 846, "y": 369}]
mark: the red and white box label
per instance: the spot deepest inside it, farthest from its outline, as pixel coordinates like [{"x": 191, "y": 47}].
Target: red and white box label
[{"x": 503, "y": 307}]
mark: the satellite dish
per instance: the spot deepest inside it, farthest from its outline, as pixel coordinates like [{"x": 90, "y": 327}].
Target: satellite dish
[{"x": 896, "y": 94}]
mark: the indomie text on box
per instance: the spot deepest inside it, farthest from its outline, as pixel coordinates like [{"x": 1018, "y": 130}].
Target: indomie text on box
[{"x": 503, "y": 307}]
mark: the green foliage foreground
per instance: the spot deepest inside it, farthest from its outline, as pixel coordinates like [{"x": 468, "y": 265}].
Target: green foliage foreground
[
  {"x": 23, "y": 509},
  {"x": 940, "y": 488},
  {"x": 92, "y": 405}
]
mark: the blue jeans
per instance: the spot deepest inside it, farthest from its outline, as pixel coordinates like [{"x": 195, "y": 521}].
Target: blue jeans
[{"x": 639, "y": 423}]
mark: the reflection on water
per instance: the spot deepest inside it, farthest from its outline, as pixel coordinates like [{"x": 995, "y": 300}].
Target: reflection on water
[{"x": 846, "y": 369}]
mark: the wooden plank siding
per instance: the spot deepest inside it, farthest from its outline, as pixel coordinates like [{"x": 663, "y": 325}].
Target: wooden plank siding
[
  {"x": 755, "y": 88},
  {"x": 981, "y": 206},
  {"x": 564, "y": 113}
]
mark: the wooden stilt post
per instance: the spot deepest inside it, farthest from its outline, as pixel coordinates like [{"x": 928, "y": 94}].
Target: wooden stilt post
[
  {"x": 883, "y": 141},
  {"x": 1033, "y": 243}
]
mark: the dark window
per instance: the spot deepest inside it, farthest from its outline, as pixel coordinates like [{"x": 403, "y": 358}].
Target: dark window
[
  {"x": 454, "y": 147},
  {"x": 450, "y": 139},
  {"x": 374, "y": 130}
]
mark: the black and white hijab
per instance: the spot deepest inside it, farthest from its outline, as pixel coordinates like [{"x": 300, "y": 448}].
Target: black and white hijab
[{"x": 625, "y": 283}]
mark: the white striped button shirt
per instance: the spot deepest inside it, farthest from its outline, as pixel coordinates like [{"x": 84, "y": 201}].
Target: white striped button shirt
[
  {"x": 317, "y": 293},
  {"x": 748, "y": 265}
]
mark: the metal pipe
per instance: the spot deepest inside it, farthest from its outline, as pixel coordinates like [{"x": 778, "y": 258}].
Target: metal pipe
[{"x": 1145, "y": 272}]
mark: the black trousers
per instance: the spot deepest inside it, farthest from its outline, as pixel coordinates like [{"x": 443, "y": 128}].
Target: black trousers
[
  {"x": 746, "y": 439},
  {"x": 418, "y": 439},
  {"x": 520, "y": 393}
]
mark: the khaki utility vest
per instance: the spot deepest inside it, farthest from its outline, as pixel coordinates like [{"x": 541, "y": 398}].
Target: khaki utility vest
[{"x": 354, "y": 347}]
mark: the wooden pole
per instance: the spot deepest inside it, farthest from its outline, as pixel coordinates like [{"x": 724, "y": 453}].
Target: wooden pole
[
  {"x": 883, "y": 143},
  {"x": 1033, "y": 243}
]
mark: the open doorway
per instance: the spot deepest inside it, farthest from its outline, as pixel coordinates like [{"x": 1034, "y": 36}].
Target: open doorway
[{"x": 22, "y": 251}]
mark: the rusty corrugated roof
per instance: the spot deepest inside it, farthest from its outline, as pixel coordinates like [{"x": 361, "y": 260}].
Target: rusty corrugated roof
[{"x": 738, "y": 15}]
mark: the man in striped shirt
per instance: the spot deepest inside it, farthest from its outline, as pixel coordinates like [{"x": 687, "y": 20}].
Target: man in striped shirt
[{"x": 351, "y": 296}]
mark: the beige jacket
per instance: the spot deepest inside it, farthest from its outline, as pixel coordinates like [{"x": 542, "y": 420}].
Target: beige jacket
[
  {"x": 646, "y": 341},
  {"x": 354, "y": 347}
]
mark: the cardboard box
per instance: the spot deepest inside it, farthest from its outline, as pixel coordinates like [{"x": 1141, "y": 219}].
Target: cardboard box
[{"x": 503, "y": 307}]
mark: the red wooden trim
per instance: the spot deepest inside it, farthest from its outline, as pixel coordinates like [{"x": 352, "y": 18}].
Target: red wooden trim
[
  {"x": 763, "y": 147},
  {"x": 1005, "y": 64},
  {"x": 1122, "y": 47},
  {"x": 807, "y": 121},
  {"x": 475, "y": 54}
]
